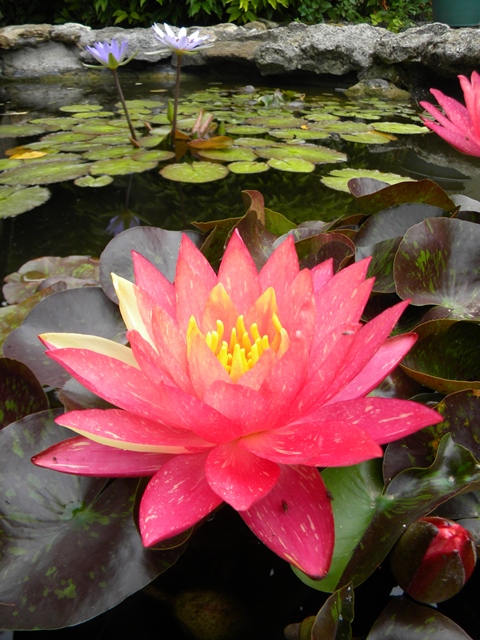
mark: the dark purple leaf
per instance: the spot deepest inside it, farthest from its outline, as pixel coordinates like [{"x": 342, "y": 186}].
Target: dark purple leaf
[
  {"x": 405, "y": 620},
  {"x": 325, "y": 246},
  {"x": 381, "y": 267},
  {"x": 258, "y": 240},
  {"x": 446, "y": 356},
  {"x": 20, "y": 392},
  {"x": 159, "y": 246},
  {"x": 437, "y": 263},
  {"x": 334, "y": 620},
  {"x": 86, "y": 311},
  {"x": 70, "y": 549}
]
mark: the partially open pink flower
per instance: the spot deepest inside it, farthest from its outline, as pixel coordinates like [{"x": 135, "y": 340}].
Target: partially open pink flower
[
  {"x": 460, "y": 125},
  {"x": 235, "y": 388}
]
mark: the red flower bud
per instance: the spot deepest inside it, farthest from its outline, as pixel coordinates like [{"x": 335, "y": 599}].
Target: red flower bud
[{"x": 433, "y": 559}]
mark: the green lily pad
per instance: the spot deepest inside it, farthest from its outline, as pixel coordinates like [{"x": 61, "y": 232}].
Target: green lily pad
[
  {"x": 6, "y": 163},
  {"x": 121, "y": 166},
  {"x": 370, "y": 137},
  {"x": 347, "y": 126},
  {"x": 158, "y": 155},
  {"x": 245, "y": 130},
  {"x": 90, "y": 181},
  {"x": 152, "y": 140},
  {"x": 338, "y": 178},
  {"x": 80, "y": 108},
  {"x": 55, "y": 124},
  {"x": 228, "y": 155},
  {"x": 300, "y": 134},
  {"x": 94, "y": 114},
  {"x": 248, "y": 167},
  {"x": 294, "y": 165},
  {"x": 159, "y": 118},
  {"x": 107, "y": 153},
  {"x": 277, "y": 122},
  {"x": 139, "y": 103},
  {"x": 97, "y": 128},
  {"x": 443, "y": 257},
  {"x": 14, "y": 201},
  {"x": 255, "y": 143},
  {"x": 20, "y": 130},
  {"x": 194, "y": 173},
  {"x": 44, "y": 172},
  {"x": 65, "y": 137},
  {"x": 397, "y": 127},
  {"x": 312, "y": 153},
  {"x": 320, "y": 116}
]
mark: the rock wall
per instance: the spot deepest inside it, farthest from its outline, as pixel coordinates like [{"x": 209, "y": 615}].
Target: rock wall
[{"x": 413, "y": 57}]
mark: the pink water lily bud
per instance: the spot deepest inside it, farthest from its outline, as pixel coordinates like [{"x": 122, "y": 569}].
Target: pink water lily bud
[{"x": 433, "y": 559}]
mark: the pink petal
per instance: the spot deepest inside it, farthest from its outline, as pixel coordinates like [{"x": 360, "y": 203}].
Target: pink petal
[
  {"x": 116, "y": 382},
  {"x": 117, "y": 428},
  {"x": 321, "y": 274},
  {"x": 245, "y": 408},
  {"x": 238, "y": 274},
  {"x": 84, "y": 457},
  {"x": 194, "y": 280},
  {"x": 280, "y": 269},
  {"x": 455, "y": 111},
  {"x": 239, "y": 477},
  {"x": 176, "y": 498},
  {"x": 319, "y": 443},
  {"x": 459, "y": 141},
  {"x": 150, "y": 363},
  {"x": 383, "y": 419},
  {"x": 378, "y": 368},
  {"x": 297, "y": 310},
  {"x": 342, "y": 299},
  {"x": 295, "y": 520},
  {"x": 204, "y": 367},
  {"x": 150, "y": 279},
  {"x": 219, "y": 306}
]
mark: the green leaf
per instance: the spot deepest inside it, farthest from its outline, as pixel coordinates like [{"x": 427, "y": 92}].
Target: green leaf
[
  {"x": 121, "y": 166},
  {"x": 339, "y": 178},
  {"x": 409, "y": 496},
  {"x": 70, "y": 549},
  {"x": 248, "y": 167},
  {"x": 294, "y": 165},
  {"x": 334, "y": 620},
  {"x": 400, "y": 128},
  {"x": 44, "y": 172},
  {"x": 20, "y": 130},
  {"x": 312, "y": 153},
  {"x": 355, "y": 491},
  {"x": 89, "y": 181}
]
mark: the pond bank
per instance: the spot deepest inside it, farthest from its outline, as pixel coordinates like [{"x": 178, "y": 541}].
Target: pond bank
[{"x": 421, "y": 56}]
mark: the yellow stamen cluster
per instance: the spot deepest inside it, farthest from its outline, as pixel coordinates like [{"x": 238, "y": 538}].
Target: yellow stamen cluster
[{"x": 244, "y": 348}]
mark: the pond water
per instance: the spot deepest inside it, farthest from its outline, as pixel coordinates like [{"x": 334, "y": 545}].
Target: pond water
[{"x": 78, "y": 220}]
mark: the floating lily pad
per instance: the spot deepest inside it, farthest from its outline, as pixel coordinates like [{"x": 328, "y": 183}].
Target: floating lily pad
[
  {"x": 158, "y": 155},
  {"x": 90, "y": 181},
  {"x": 347, "y": 126},
  {"x": 370, "y": 137},
  {"x": 338, "y": 178},
  {"x": 228, "y": 155},
  {"x": 140, "y": 103},
  {"x": 153, "y": 140},
  {"x": 6, "y": 163},
  {"x": 301, "y": 134},
  {"x": 277, "y": 122},
  {"x": 94, "y": 114},
  {"x": 245, "y": 130},
  {"x": 159, "y": 118},
  {"x": 398, "y": 127},
  {"x": 294, "y": 165},
  {"x": 196, "y": 172},
  {"x": 97, "y": 128},
  {"x": 312, "y": 153},
  {"x": 255, "y": 143},
  {"x": 44, "y": 172},
  {"x": 121, "y": 166},
  {"x": 105, "y": 153},
  {"x": 14, "y": 201},
  {"x": 248, "y": 167},
  {"x": 20, "y": 392},
  {"x": 66, "y": 137},
  {"x": 80, "y": 108},
  {"x": 55, "y": 124},
  {"x": 20, "y": 130}
]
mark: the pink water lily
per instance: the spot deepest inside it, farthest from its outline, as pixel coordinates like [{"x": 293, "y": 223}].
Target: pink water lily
[
  {"x": 236, "y": 386},
  {"x": 459, "y": 125}
]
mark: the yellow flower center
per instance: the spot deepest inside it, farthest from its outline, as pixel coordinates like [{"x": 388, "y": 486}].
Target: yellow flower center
[{"x": 244, "y": 348}]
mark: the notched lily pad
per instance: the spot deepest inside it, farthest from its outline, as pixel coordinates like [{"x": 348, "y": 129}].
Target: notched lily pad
[
  {"x": 398, "y": 127},
  {"x": 90, "y": 181},
  {"x": 121, "y": 166},
  {"x": 196, "y": 172},
  {"x": 312, "y": 153},
  {"x": 20, "y": 130},
  {"x": 338, "y": 178},
  {"x": 248, "y": 167},
  {"x": 44, "y": 172},
  {"x": 79, "y": 108},
  {"x": 227, "y": 155},
  {"x": 294, "y": 165}
]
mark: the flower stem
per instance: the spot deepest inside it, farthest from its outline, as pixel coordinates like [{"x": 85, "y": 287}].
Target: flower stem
[
  {"x": 122, "y": 100},
  {"x": 175, "y": 98}
]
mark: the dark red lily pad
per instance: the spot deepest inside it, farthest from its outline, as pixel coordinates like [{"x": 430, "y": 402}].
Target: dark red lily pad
[
  {"x": 20, "y": 392},
  {"x": 403, "y": 619},
  {"x": 160, "y": 246},
  {"x": 70, "y": 549},
  {"x": 85, "y": 310},
  {"x": 446, "y": 356},
  {"x": 437, "y": 263}
]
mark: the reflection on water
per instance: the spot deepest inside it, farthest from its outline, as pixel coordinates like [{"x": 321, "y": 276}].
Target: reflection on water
[{"x": 81, "y": 220}]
